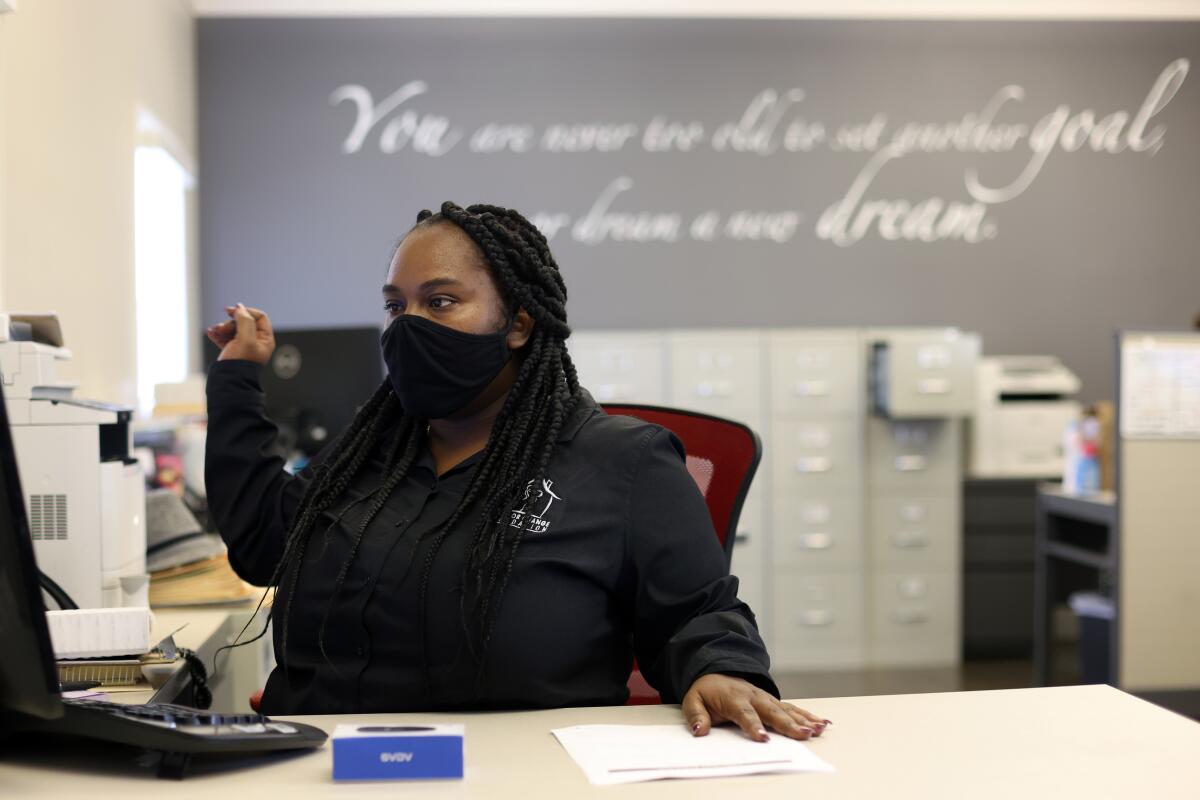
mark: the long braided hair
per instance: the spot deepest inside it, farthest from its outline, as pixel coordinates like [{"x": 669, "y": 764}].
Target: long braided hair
[{"x": 517, "y": 452}]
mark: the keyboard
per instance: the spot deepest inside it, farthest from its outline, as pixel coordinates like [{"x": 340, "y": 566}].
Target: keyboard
[{"x": 179, "y": 732}]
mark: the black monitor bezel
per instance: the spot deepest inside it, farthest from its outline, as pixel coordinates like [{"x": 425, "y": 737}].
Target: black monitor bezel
[{"x": 28, "y": 676}]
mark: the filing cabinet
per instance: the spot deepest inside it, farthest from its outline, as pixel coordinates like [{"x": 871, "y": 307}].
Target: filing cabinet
[
  {"x": 816, "y": 456},
  {"x": 922, "y": 373},
  {"x": 914, "y": 531},
  {"x": 819, "y": 621},
  {"x": 911, "y": 455},
  {"x": 816, "y": 373},
  {"x": 718, "y": 373},
  {"x": 914, "y": 619},
  {"x": 818, "y": 532},
  {"x": 622, "y": 366},
  {"x": 849, "y": 542}
]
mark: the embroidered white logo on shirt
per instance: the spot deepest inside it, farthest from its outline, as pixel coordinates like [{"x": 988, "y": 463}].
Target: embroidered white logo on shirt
[{"x": 534, "y": 520}]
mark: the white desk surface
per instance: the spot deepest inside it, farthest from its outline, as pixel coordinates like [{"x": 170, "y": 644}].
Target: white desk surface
[{"x": 1069, "y": 742}]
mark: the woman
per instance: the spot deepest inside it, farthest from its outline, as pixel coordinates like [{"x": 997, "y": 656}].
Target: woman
[{"x": 482, "y": 535}]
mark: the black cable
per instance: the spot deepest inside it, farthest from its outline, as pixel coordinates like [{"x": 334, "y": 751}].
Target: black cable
[
  {"x": 57, "y": 592},
  {"x": 201, "y": 694}
]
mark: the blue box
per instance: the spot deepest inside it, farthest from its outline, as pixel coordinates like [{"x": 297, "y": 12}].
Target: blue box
[{"x": 382, "y": 752}]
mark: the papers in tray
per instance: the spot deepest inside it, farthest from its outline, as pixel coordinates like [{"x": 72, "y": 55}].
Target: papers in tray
[{"x": 629, "y": 753}]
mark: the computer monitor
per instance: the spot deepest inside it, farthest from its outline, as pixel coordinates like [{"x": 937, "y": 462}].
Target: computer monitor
[
  {"x": 316, "y": 381},
  {"x": 28, "y": 678}
]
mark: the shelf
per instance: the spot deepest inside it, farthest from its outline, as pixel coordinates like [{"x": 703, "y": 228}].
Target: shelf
[{"x": 1079, "y": 555}]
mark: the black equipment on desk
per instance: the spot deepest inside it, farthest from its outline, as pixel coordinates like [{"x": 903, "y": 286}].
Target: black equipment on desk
[
  {"x": 315, "y": 382},
  {"x": 29, "y": 692}
]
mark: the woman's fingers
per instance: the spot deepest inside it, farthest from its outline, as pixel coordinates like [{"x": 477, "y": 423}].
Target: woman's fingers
[
  {"x": 221, "y": 333},
  {"x": 246, "y": 327},
  {"x": 698, "y": 720},
  {"x": 745, "y": 717},
  {"x": 780, "y": 719},
  {"x": 806, "y": 717}
]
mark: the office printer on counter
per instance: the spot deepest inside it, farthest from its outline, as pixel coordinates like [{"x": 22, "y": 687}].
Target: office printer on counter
[
  {"x": 1023, "y": 405},
  {"x": 84, "y": 493}
]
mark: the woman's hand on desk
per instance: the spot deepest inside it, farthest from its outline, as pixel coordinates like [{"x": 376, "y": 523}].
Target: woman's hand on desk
[
  {"x": 247, "y": 334},
  {"x": 714, "y": 699}
]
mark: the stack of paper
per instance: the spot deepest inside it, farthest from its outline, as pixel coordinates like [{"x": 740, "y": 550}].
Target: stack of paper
[
  {"x": 99, "y": 632},
  {"x": 630, "y": 753}
]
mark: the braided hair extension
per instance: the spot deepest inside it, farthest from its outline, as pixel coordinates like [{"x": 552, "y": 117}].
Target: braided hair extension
[{"x": 514, "y": 460}]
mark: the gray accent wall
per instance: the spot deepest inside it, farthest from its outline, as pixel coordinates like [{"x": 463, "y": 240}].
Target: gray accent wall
[{"x": 1035, "y": 182}]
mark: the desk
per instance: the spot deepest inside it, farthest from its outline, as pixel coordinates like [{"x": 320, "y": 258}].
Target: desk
[{"x": 1065, "y": 742}]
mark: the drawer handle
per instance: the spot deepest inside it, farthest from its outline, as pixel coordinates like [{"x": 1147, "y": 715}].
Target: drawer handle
[
  {"x": 910, "y": 539},
  {"x": 813, "y": 464},
  {"x": 933, "y": 386},
  {"x": 812, "y": 388},
  {"x": 911, "y": 463},
  {"x": 815, "y": 618},
  {"x": 741, "y": 538},
  {"x": 910, "y": 616},
  {"x": 912, "y": 587},
  {"x": 816, "y": 541}
]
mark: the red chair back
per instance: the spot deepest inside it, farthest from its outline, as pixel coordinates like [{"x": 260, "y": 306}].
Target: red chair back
[{"x": 722, "y": 457}]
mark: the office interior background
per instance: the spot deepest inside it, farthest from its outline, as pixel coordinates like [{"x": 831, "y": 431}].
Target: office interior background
[{"x": 827, "y": 220}]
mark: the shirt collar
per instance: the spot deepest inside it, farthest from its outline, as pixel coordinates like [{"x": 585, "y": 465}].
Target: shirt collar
[{"x": 585, "y": 408}]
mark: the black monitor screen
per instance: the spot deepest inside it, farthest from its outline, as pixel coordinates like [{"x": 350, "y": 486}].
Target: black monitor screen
[
  {"x": 316, "y": 381},
  {"x": 28, "y": 681}
]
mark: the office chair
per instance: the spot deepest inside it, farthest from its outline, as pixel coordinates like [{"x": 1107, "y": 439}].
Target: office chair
[{"x": 722, "y": 457}]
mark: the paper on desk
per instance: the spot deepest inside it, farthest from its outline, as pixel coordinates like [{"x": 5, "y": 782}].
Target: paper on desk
[{"x": 630, "y": 753}]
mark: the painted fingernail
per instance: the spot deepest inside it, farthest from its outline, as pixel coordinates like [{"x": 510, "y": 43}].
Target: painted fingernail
[
  {"x": 828, "y": 721},
  {"x": 695, "y": 728},
  {"x": 762, "y": 735},
  {"x": 807, "y": 731}
]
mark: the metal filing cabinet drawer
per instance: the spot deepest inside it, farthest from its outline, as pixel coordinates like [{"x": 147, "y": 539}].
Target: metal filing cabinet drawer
[
  {"x": 819, "y": 621},
  {"x": 816, "y": 533},
  {"x": 719, "y": 374},
  {"x": 908, "y": 455},
  {"x": 924, "y": 373},
  {"x": 621, "y": 367},
  {"x": 914, "y": 532},
  {"x": 914, "y": 618},
  {"x": 817, "y": 373},
  {"x": 816, "y": 456}
]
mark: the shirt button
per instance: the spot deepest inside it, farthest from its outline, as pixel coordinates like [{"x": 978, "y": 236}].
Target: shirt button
[{"x": 358, "y": 651}]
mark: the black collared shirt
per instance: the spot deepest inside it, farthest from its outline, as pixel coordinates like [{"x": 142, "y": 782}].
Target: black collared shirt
[{"x": 618, "y": 557}]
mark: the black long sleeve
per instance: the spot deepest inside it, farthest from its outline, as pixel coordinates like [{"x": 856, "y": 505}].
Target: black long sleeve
[
  {"x": 688, "y": 620},
  {"x": 618, "y": 556},
  {"x": 251, "y": 497}
]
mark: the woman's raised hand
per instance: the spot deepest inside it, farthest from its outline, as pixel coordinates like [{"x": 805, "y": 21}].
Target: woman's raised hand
[{"x": 247, "y": 334}]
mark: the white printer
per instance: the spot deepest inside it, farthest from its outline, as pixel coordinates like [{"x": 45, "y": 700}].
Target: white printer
[
  {"x": 84, "y": 493},
  {"x": 1023, "y": 405}
]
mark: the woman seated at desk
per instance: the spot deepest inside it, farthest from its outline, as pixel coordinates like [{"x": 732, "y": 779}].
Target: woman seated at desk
[{"x": 483, "y": 535}]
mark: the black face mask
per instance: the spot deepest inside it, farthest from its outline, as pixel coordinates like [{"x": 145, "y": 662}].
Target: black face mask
[{"x": 436, "y": 370}]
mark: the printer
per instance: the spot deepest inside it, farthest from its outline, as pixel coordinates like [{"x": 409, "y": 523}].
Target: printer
[
  {"x": 85, "y": 494},
  {"x": 1022, "y": 406}
]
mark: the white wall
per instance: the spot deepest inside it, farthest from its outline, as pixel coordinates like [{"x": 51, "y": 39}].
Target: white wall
[
  {"x": 880, "y": 9},
  {"x": 73, "y": 76}
]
